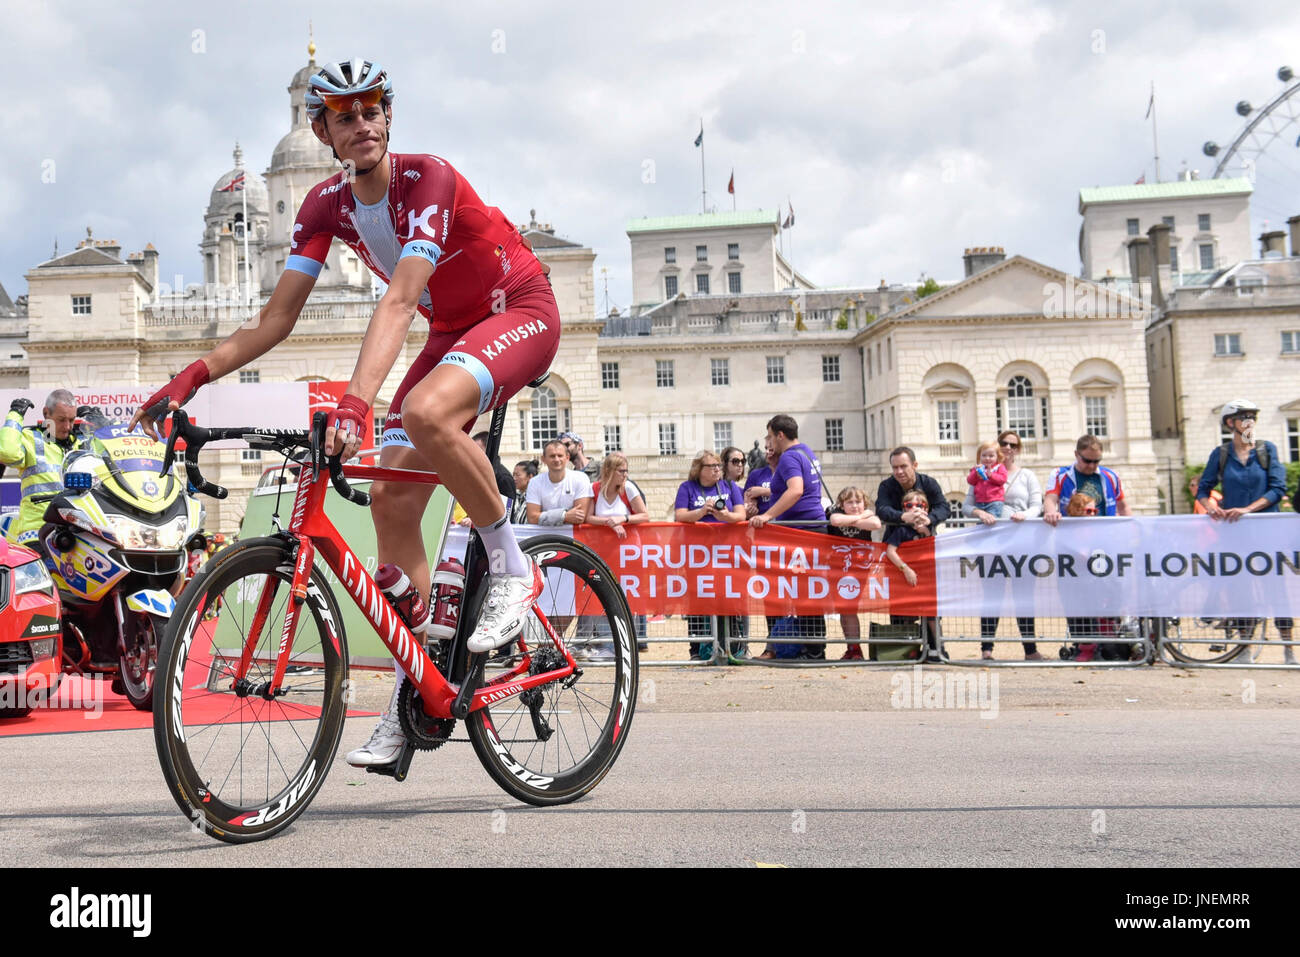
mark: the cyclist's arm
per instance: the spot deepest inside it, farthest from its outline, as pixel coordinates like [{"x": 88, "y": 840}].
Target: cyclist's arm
[
  {"x": 273, "y": 325},
  {"x": 388, "y": 327}
]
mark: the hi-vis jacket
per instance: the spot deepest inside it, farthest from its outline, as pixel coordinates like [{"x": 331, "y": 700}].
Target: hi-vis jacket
[{"x": 40, "y": 461}]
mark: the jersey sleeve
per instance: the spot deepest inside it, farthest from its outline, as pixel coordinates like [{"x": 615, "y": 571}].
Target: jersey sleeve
[
  {"x": 1058, "y": 482},
  {"x": 431, "y": 209},
  {"x": 1119, "y": 489},
  {"x": 581, "y": 486},
  {"x": 310, "y": 240}
]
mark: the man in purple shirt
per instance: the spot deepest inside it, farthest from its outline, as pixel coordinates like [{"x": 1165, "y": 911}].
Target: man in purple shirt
[
  {"x": 796, "y": 480},
  {"x": 796, "y": 496}
]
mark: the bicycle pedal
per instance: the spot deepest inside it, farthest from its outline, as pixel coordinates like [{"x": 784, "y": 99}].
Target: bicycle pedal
[{"x": 398, "y": 769}]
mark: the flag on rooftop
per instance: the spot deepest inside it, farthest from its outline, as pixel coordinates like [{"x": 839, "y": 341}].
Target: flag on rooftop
[
  {"x": 234, "y": 185},
  {"x": 699, "y": 140}
]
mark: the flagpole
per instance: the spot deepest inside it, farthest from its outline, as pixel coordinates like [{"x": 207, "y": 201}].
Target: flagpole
[
  {"x": 1155, "y": 141},
  {"x": 248, "y": 265},
  {"x": 704, "y": 208}
]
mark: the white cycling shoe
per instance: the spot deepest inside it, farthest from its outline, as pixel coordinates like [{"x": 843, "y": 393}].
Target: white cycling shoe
[
  {"x": 508, "y": 601},
  {"x": 387, "y": 741}
]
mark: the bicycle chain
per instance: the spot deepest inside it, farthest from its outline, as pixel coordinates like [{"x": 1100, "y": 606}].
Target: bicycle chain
[{"x": 423, "y": 732}]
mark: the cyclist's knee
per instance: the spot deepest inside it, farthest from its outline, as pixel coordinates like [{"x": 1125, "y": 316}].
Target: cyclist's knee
[{"x": 393, "y": 503}]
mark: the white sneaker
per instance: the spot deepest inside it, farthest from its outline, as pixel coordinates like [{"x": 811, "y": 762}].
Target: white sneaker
[
  {"x": 501, "y": 618},
  {"x": 384, "y": 746}
]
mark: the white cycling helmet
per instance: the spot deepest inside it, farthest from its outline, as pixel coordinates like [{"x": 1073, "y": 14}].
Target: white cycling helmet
[
  {"x": 344, "y": 86},
  {"x": 1236, "y": 407}
]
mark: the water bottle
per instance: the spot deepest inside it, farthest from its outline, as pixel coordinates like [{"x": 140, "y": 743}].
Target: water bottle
[
  {"x": 404, "y": 597},
  {"x": 448, "y": 588}
]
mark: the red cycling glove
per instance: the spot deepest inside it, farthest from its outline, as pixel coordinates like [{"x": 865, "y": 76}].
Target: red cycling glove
[
  {"x": 181, "y": 388},
  {"x": 350, "y": 415}
]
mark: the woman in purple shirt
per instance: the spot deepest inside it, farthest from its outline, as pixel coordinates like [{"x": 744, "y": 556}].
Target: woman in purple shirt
[{"x": 706, "y": 496}]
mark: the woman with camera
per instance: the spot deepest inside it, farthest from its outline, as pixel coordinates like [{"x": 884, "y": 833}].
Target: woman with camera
[{"x": 706, "y": 496}]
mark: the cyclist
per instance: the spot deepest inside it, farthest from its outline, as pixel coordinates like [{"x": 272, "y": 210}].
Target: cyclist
[
  {"x": 1253, "y": 479},
  {"x": 38, "y": 451},
  {"x": 493, "y": 327}
]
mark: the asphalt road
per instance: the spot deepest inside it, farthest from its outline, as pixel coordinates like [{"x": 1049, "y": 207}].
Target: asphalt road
[{"x": 726, "y": 774}]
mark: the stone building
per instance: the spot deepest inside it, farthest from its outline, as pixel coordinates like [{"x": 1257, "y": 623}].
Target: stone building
[
  {"x": 1016, "y": 344},
  {"x": 1236, "y": 335}
]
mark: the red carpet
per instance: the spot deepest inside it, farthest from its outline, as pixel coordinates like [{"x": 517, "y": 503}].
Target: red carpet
[{"x": 85, "y": 704}]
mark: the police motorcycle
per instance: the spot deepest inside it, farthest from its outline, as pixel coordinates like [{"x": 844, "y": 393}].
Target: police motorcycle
[{"x": 115, "y": 541}]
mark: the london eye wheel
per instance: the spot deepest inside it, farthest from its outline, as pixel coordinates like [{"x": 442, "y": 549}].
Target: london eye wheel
[{"x": 1266, "y": 150}]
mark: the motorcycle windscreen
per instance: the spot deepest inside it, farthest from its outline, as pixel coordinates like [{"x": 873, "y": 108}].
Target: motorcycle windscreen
[{"x": 138, "y": 460}]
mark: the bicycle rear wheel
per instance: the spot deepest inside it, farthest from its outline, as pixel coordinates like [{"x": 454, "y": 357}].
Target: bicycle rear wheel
[
  {"x": 554, "y": 743},
  {"x": 241, "y": 766},
  {"x": 1197, "y": 653}
]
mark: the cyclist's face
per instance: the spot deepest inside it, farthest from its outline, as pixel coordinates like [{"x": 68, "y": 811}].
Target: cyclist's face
[{"x": 360, "y": 135}]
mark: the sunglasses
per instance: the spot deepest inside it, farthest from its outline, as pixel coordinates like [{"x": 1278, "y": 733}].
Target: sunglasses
[
  {"x": 735, "y": 461},
  {"x": 1247, "y": 416},
  {"x": 347, "y": 102},
  {"x": 1009, "y": 445},
  {"x": 921, "y": 505},
  {"x": 1088, "y": 461}
]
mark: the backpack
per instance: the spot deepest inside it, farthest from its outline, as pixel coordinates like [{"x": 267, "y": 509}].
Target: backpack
[{"x": 1261, "y": 456}]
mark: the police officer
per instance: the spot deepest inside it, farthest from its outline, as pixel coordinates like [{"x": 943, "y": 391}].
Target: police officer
[{"x": 38, "y": 453}]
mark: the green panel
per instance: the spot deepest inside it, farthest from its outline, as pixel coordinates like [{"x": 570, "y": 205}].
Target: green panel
[
  {"x": 1179, "y": 189},
  {"x": 355, "y": 526},
  {"x": 744, "y": 217}
]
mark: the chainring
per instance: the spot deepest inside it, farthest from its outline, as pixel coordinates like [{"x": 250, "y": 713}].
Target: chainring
[{"x": 423, "y": 732}]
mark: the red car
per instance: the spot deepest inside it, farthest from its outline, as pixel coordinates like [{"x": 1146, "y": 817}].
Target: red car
[{"x": 31, "y": 638}]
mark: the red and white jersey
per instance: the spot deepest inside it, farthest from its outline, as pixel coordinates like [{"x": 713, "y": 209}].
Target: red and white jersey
[{"x": 432, "y": 212}]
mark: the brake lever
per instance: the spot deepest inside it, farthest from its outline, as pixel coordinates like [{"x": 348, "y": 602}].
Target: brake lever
[{"x": 334, "y": 464}]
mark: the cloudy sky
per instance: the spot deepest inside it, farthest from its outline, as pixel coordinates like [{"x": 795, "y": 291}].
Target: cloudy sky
[{"x": 902, "y": 133}]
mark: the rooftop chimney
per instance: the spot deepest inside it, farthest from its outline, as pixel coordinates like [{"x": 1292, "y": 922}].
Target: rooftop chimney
[
  {"x": 1161, "y": 280},
  {"x": 1294, "y": 223},
  {"x": 978, "y": 258},
  {"x": 1272, "y": 245}
]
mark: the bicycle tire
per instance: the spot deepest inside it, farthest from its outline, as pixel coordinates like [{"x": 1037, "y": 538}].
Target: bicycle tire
[
  {"x": 241, "y": 767},
  {"x": 1199, "y": 654},
  {"x": 589, "y": 717}
]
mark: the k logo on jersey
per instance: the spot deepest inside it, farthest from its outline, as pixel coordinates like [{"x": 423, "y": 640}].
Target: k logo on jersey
[{"x": 423, "y": 222}]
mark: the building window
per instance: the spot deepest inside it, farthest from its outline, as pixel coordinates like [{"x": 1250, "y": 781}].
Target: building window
[
  {"x": 1203, "y": 222},
  {"x": 1293, "y": 444},
  {"x": 733, "y": 282},
  {"x": 379, "y": 427},
  {"x": 702, "y": 283},
  {"x": 249, "y": 376},
  {"x": 834, "y": 435},
  {"x": 1168, "y": 221},
  {"x": 1132, "y": 226},
  {"x": 667, "y": 438},
  {"x": 250, "y": 455},
  {"x": 720, "y": 371},
  {"x": 949, "y": 420},
  {"x": 1095, "y": 420},
  {"x": 1173, "y": 258},
  {"x": 613, "y": 438},
  {"x": 1227, "y": 344},
  {"x": 609, "y": 375},
  {"x": 733, "y": 250},
  {"x": 81, "y": 305},
  {"x": 670, "y": 287},
  {"x": 1291, "y": 341},
  {"x": 889, "y": 353},
  {"x": 670, "y": 254},
  {"x": 1021, "y": 411},
  {"x": 701, "y": 254},
  {"x": 871, "y": 431},
  {"x": 721, "y": 435},
  {"x": 664, "y": 376},
  {"x": 776, "y": 370},
  {"x": 1207, "y": 255},
  {"x": 546, "y": 418},
  {"x": 830, "y": 368}
]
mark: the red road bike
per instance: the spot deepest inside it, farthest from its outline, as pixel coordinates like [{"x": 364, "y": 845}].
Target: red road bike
[{"x": 248, "y": 712}]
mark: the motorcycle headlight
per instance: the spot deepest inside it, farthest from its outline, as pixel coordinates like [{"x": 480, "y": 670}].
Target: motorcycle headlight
[
  {"x": 135, "y": 536},
  {"x": 32, "y": 577}
]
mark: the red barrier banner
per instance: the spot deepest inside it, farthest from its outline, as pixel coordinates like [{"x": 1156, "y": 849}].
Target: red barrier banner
[{"x": 708, "y": 569}]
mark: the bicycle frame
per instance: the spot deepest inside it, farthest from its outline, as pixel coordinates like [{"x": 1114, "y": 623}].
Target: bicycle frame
[{"x": 313, "y": 533}]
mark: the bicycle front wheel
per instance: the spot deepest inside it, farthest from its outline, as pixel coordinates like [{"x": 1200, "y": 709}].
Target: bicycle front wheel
[
  {"x": 1227, "y": 630},
  {"x": 554, "y": 743},
  {"x": 242, "y": 763}
]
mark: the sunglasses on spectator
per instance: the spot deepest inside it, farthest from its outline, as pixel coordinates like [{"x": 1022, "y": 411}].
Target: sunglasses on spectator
[
  {"x": 1247, "y": 416},
  {"x": 1090, "y": 510},
  {"x": 1083, "y": 458},
  {"x": 735, "y": 461},
  {"x": 909, "y": 505},
  {"x": 1009, "y": 445}
]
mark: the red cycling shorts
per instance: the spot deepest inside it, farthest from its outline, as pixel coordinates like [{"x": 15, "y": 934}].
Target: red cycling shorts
[{"x": 503, "y": 352}]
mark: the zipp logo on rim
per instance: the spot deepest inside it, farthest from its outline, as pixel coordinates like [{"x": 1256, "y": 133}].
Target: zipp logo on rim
[
  {"x": 517, "y": 769},
  {"x": 269, "y": 813}
]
